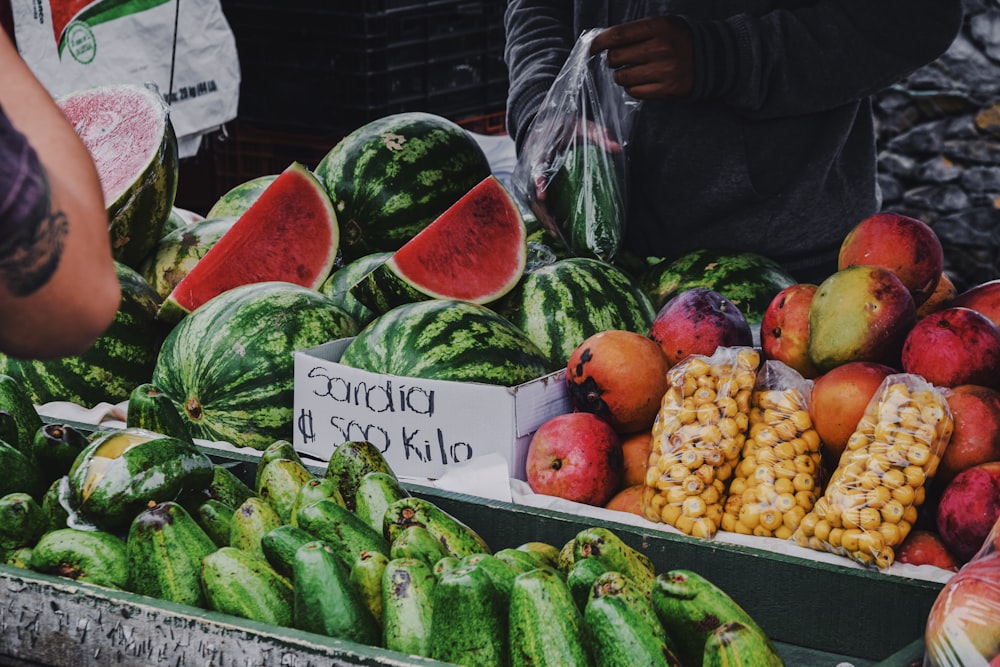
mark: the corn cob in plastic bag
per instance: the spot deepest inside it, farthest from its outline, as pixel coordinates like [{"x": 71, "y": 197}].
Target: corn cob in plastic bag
[
  {"x": 870, "y": 502},
  {"x": 779, "y": 476},
  {"x": 697, "y": 438}
]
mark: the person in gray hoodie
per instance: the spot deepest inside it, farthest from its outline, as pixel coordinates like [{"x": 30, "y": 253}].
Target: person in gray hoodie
[{"x": 755, "y": 130}]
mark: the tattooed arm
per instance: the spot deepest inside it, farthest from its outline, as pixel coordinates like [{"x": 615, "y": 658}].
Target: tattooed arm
[{"x": 58, "y": 287}]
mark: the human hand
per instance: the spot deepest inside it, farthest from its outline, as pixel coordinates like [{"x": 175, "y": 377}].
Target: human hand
[{"x": 653, "y": 58}]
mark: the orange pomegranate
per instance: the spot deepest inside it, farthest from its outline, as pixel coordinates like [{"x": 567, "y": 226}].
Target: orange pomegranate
[{"x": 619, "y": 376}]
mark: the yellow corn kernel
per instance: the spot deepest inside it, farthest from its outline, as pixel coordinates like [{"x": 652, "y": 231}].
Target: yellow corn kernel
[
  {"x": 692, "y": 458},
  {"x": 834, "y": 539},
  {"x": 822, "y": 529},
  {"x": 919, "y": 454},
  {"x": 727, "y": 406},
  {"x": 770, "y": 519},
  {"x": 692, "y": 485},
  {"x": 890, "y": 533},
  {"x": 893, "y": 478},
  {"x": 808, "y": 524},
  {"x": 669, "y": 514},
  {"x": 878, "y": 497},
  {"x": 786, "y": 430},
  {"x": 749, "y": 515},
  {"x": 910, "y": 514},
  {"x": 857, "y": 440},
  {"x": 869, "y": 518},
  {"x": 785, "y": 486},
  {"x": 706, "y": 474},
  {"x": 728, "y": 522},
  {"x": 703, "y": 528},
  {"x": 676, "y": 494},
  {"x": 892, "y": 511},
  {"x": 693, "y": 506},
  {"x": 803, "y": 482},
  {"x": 729, "y": 427},
  {"x": 850, "y": 539},
  {"x": 904, "y": 494},
  {"x": 710, "y": 495},
  {"x": 684, "y": 524},
  {"x": 915, "y": 476},
  {"x": 805, "y": 499}
]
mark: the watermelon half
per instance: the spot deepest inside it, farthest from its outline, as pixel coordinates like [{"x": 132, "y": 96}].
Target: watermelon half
[
  {"x": 289, "y": 234},
  {"x": 178, "y": 252},
  {"x": 395, "y": 175},
  {"x": 240, "y": 197},
  {"x": 475, "y": 251},
  {"x": 128, "y": 132}
]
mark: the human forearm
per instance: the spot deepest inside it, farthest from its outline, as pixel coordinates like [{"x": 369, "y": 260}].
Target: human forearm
[
  {"x": 539, "y": 38},
  {"x": 58, "y": 287}
]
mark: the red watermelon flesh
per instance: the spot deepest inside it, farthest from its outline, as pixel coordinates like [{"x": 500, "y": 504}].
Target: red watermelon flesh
[
  {"x": 122, "y": 131},
  {"x": 474, "y": 251},
  {"x": 290, "y": 233}
]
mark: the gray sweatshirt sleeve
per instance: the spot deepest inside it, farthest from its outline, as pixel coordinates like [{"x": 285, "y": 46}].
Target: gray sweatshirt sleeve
[{"x": 804, "y": 57}]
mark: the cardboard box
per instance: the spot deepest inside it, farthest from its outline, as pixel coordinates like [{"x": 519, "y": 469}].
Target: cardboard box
[{"x": 421, "y": 426}]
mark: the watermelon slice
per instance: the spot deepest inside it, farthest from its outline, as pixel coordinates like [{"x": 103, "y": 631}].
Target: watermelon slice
[
  {"x": 290, "y": 234},
  {"x": 475, "y": 252},
  {"x": 128, "y": 132}
]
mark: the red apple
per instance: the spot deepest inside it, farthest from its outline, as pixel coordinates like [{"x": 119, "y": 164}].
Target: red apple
[
  {"x": 906, "y": 246},
  {"x": 968, "y": 508},
  {"x": 976, "y": 435},
  {"x": 923, "y": 547},
  {"x": 784, "y": 329},
  {"x": 954, "y": 346},
  {"x": 838, "y": 402},
  {"x": 576, "y": 456},
  {"x": 983, "y": 298},
  {"x": 962, "y": 626},
  {"x": 697, "y": 321}
]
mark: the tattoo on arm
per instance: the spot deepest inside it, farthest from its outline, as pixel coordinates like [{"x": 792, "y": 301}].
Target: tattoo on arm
[{"x": 31, "y": 255}]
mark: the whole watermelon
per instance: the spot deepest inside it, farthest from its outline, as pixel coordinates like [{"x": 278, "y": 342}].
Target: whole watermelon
[
  {"x": 747, "y": 279},
  {"x": 228, "y": 366},
  {"x": 444, "y": 339},
  {"x": 393, "y": 176},
  {"x": 119, "y": 360},
  {"x": 560, "y": 304}
]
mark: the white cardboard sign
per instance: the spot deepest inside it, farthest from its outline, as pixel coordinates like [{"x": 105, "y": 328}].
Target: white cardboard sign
[{"x": 421, "y": 426}]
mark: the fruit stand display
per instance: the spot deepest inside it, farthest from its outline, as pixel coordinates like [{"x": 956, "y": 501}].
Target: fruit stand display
[{"x": 777, "y": 446}]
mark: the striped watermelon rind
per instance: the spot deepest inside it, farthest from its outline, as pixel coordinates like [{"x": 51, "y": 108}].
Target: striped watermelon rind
[
  {"x": 118, "y": 361},
  {"x": 444, "y": 339},
  {"x": 239, "y": 198},
  {"x": 228, "y": 366},
  {"x": 289, "y": 234},
  {"x": 338, "y": 285},
  {"x": 562, "y": 303},
  {"x": 393, "y": 176},
  {"x": 139, "y": 209},
  {"x": 177, "y": 252},
  {"x": 747, "y": 279}
]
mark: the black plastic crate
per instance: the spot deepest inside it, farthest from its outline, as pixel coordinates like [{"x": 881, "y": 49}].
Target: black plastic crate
[{"x": 321, "y": 69}]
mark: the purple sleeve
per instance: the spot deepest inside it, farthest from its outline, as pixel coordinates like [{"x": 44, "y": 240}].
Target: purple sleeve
[{"x": 23, "y": 188}]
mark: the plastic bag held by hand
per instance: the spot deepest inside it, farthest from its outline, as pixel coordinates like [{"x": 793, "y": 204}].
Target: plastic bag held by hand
[{"x": 571, "y": 170}]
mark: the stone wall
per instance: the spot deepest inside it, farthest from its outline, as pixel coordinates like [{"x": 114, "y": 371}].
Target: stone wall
[{"x": 939, "y": 147}]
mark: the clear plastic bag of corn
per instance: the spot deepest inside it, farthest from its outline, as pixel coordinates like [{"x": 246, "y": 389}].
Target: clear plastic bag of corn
[
  {"x": 870, "y": 503},
  {"x": 697, "y": 439},
  {"x": 779, "y": 475}
]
